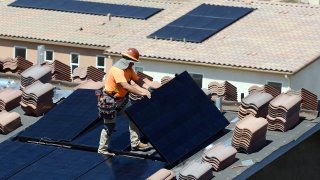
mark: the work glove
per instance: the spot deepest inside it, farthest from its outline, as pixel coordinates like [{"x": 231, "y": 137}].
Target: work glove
[{"x": 151, "y": 89}]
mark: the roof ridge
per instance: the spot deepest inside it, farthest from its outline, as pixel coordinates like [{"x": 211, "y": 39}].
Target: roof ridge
[{"x": 277, "y": 3}]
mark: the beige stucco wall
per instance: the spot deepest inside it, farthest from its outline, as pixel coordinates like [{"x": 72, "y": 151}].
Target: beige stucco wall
[
  {"x": 308, "y": 78},
  {"x": 314, "y": 2},
  {"x": 61, "y": 53}
]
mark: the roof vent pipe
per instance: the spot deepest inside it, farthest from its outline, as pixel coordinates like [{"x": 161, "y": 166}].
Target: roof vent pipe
[
  {"x": 218, "y": 103},
  {"x": 41, "y": 49}
]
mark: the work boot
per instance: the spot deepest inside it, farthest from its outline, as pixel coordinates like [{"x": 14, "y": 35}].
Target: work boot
[
  {"x": 141, "y": 147},
  {"x": 106, "y": 153}
]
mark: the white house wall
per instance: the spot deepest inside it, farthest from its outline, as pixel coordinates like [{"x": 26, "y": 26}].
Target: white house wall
[
  {"x": 239, "y": 78},
  {"x": 308, "y": 78}
]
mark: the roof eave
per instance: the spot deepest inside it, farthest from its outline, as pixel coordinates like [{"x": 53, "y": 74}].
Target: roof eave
[
  {"x": 53, "y": 42},
  {"x": 180, "y": 61}
]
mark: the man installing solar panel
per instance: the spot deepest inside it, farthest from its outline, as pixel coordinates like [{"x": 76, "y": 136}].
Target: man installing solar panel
[{"x": 114, "y": 97}]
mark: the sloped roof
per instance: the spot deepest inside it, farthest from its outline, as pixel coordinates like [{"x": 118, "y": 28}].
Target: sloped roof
[{"x": 278, "y": 37}]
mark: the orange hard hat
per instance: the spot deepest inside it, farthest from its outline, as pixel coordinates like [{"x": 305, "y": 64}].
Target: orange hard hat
[{"x": 131, "y": 53}]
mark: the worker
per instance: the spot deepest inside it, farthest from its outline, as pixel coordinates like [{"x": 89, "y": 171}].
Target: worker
[{"x": 117, "y": 86}]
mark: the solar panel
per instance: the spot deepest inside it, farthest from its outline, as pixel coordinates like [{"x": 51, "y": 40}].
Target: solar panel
[
  {"x": 201, "y": 23},
  {"x": 67, "y": 119},
  {"x": 120, "y": 138},
  {"x": 178, "y": 119},
  {"x": 61, "y": 164},
  {"x": 86, "y": 7},
  {"x": 15, "y": 156},
  {"x": 121, "y": 167}
]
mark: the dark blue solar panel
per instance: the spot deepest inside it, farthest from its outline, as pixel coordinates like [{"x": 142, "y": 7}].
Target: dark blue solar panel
[
  {"x": 89, "y": 8},
  {"x": 227, "y": 12},
  {"x": 182, "y": 34},
  {"x": 198, "y": 22},
  {"x": 61, "y": 164},
  {"x": 15, "y": 156},
  {"x": 66, "y": 120},
  {"x": 119, "y": 141},
  {"x": 211, "y": 18},
  {"x": 178, "y": 119},
  {"x": 124, "y": 168}
]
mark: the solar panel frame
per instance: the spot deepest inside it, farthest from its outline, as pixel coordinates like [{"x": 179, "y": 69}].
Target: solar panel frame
[
  {"x": 182, "y": 107},
  {"x": 87, "y": 7}
]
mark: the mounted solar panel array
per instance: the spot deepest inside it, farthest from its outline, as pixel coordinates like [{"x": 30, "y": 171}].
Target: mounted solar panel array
[
  {"x": 178, "y": 119},
  {"x": 20, "y": 160},
  {"x": 15, "y": 156},
  {"x": 201, "y": 23},
  {"x": 85, "y": 7},
  {"x": 67, "y": 120}
]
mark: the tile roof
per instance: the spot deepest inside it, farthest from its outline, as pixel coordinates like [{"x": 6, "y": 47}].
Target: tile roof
[{"x": 278, "y": 37}]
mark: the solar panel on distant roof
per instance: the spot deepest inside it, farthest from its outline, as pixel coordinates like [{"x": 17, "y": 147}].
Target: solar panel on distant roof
[
  {"x": 201, "y": 23},
  {"x": 67, "y": 119},
  {"x": 178, "y": 119},
  {"x": 86, "y": 7}
]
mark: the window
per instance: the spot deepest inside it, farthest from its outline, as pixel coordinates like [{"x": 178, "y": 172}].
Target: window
[
  {"x": 49, "y": 55},
  {"x": 20, "y": 51},
  {"x": 276, "y": 85},
  {"x": 100, "y": 63},
  {"x": 137, "y": 68},
  {"x": 75, "y": 59},
  {"x": 197, "y": 78}
]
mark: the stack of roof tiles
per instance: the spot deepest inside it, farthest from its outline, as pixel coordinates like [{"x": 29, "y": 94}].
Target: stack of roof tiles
[
  {"x": 9, "y": 65},
  {"x": 165, "y": 79},
  {"x": 17, "y": 65},
  {"x": 225, "y": 90},
  {"x": 37, "y": 98},
  {"x": 60, "y": 71},
  {"x": 9, "y": 121},
  {"x": 265, "y": 88},
  {"x": 309, "y": 100},
  {"x": 220, "y": 156},
  {"x": 84, "y": 73},
  {"x": 95, "y": 74},
  {"x": 89, "y": 84},
  {"x": 196, "y": 170},
  {"x": 144, "y": 76},
  {"x": 283, "y": 112},
  {"x": 255, "y": 104},
  {"x": 163, "y": 174},
  {"x": 9, "y": 99},
  {"x": 35, "y": 73},
  {"x": 249, "y": 134},
  {"x": 79, "y": 74}
]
